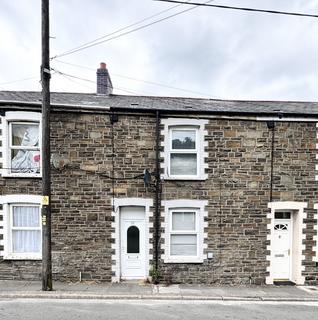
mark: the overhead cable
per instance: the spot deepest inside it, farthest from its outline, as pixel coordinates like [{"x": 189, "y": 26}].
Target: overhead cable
[
  {"x": 298, "y": 14},
  {"x": 19, "y": 80},
  {"x": 91, "y": 81},
  {"x": 141, "y": 80},
  {"x": 122, "y": 34},
  {"x": 123, "y": 28}
]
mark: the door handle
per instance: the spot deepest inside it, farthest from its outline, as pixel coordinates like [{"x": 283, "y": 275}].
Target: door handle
[{"x": 289, "y": 252}]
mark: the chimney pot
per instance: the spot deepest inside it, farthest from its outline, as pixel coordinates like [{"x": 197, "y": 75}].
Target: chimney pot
[{"x": 104, "y": 83}]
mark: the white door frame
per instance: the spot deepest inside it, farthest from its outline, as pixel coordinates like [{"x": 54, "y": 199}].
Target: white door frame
[
  {"x": 298, "y": 215},
  {"x": 124, "y": 202}
]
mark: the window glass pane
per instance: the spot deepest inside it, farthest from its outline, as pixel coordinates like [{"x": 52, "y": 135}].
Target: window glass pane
[
  {"x": 25, "y": 161},
  {"x": 25, "y": 134},
  {"x": 183, "y": 245},
  {"x": 183, "y": 220},
  {"x": 183, "y": 139},
  {"x": 282, "y": 215},
  {"x": 26, "y": 217},
  {"x": 26, "y": 241},
  {"x": 183, "y": 164},
  {"x": 133, "y": 240}
]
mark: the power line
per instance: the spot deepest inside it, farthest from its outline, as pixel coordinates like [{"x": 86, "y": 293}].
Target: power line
[
  {"x": 19, "y": 80},
  {"x": 244, "y": 9},
  {"x": 124, "y": 28},
  {"x": 91, "y": 81},
  {"x": 102, "y": 174},
  {"x": 141, "y": 80},
  {"x": 163, "y": 85},
  {"x": 74, "y": 65},
  {"x": 124, "y": 33},
  {"x": 72, "y": 76},
  {"x": 72, "y": 80}
]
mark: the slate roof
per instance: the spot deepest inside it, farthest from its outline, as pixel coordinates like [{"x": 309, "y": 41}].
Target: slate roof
[{"x": 171, "y": 104}]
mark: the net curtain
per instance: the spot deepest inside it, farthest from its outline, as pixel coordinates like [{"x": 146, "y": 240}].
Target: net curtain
[{"x": 26, "y": 240}]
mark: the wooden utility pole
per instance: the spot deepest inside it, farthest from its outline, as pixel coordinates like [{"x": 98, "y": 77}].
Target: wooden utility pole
[{"x": 46, "y": 172}]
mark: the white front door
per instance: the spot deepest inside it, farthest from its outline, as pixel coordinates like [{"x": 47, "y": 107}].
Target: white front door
[
  {"x": 132, "y": 229},
  {"x": 282, "y": 250}
]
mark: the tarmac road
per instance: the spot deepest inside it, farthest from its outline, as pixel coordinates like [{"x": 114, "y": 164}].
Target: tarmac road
[{"x": 70, "y": 309}]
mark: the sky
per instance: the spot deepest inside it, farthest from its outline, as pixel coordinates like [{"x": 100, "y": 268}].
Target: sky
[{"x": 204, "y": 52}]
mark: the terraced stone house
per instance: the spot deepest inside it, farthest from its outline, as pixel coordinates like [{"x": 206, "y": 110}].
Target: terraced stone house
[{"x": 187, "y": 190}]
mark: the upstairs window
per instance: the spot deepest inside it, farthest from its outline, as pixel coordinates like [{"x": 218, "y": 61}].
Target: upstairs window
[
  {"x": 24, "y": 148},
  {"x": 22, "y": 141},
  {"x": 183, "y": 153},
  {"x": 184, "y": 149}
]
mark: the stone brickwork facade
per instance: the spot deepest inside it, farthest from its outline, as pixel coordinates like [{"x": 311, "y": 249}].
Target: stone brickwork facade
[
  {"x": 82, "y": 193},
  {"x": 237, "y": 190},
  {"x": 16, "y": 269}
]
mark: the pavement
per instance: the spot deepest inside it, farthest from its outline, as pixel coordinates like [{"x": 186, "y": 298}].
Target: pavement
[{"x": 14, "y": 289}]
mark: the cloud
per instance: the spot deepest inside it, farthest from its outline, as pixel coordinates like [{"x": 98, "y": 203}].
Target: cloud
[{"x": 222, "y": 53}]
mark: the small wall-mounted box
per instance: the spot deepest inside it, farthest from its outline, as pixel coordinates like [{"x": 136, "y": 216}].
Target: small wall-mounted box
[{"x": 210, "y": 255}]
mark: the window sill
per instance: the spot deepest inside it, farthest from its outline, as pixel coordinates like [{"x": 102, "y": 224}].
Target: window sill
[
  {"x": 183, "y": 260},
  {"x": 34, "y": 256},
  {"x": 184, "y": 178},
  {"x": 18, "y": 175}
]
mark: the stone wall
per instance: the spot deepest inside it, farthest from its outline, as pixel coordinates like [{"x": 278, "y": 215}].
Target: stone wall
[
  {"x": 82, "y": 191},
  {"x": 15, "y": 269},
  {"x": 238, "y": 191}
]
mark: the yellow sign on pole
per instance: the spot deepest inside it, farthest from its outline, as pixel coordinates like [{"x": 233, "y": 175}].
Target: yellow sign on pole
[{"x": 45, "y": 200}]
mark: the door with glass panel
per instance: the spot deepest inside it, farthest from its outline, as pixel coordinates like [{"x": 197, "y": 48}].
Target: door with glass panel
[
  {"x": 281, "y": 247},
  {"x": 132, "y": 228}
]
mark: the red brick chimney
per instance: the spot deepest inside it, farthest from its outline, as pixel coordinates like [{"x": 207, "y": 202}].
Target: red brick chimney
[{"x": 104, "y": 83}]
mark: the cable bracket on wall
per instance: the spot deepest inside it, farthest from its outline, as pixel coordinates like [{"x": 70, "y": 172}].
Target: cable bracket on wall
[{"x": 113, "y": 118}]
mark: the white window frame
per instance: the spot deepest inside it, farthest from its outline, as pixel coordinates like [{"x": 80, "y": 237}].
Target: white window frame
[
  {"x": 185, "y": 205},
  {"x": 184, "y": 151},
  {"x": 9, "y": 119},
  {"x": 184, "y": 232},
  {"x": 8, "y": 202},
  {"x": 171, "y": 124}
]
